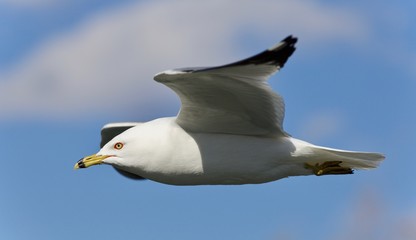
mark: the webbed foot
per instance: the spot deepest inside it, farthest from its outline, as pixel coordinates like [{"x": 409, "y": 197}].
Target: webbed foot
[{"x": 327, "y": 168}]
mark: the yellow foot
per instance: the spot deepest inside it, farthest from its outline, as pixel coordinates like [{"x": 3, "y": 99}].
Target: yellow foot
[{"x": 330, "y": 167}]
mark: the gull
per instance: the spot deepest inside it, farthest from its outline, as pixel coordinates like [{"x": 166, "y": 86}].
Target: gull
[{"x": 229, "y": 131}]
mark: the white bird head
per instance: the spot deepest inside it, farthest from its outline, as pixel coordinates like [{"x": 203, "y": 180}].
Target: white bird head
[{"x": 122, "y": 152}]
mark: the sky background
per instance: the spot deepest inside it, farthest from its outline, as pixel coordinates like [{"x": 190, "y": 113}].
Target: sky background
[{"x": 68, "y": 67}]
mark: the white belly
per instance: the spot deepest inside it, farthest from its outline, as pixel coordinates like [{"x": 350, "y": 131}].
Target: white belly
[{"x": 199, "y": 158}]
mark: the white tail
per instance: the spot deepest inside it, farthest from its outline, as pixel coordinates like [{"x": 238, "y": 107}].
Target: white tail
[{"x": 350, "y": 159}]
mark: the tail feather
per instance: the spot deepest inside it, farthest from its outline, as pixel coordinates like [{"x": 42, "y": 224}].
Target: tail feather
[{"x": 351, "y": 159}]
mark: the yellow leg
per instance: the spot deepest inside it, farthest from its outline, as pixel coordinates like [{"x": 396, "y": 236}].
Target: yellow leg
[{"x": 327, "y": 168}]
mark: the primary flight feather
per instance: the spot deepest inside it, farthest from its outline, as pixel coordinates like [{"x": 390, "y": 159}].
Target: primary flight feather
[{"x": 229, "y": 130}]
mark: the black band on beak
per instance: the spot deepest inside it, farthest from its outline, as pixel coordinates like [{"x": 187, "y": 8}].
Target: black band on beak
[{"x": 80, "y": 163}]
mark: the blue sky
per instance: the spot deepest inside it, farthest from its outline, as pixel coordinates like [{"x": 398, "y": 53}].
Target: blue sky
[{"x": 69, "y": 67}]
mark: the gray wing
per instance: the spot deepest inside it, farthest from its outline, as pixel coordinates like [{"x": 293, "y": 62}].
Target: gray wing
[
  {"x": 108, "y": 132},
  {"x": 233, "y": 98}
]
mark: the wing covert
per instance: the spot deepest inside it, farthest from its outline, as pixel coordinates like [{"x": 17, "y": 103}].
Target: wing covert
[{"x": 234, "y": 98}]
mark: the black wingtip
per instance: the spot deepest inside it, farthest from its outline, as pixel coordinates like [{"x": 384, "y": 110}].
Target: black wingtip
[
  {"x": 290, "y": 40},
  {"x": 284, "y": 50},
  {"x": 276, "y": 55},
  {"x": 286, "y": 44}
]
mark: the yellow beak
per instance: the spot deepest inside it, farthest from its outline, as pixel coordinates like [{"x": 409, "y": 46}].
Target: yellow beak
[{"x": 90, "y": 161}]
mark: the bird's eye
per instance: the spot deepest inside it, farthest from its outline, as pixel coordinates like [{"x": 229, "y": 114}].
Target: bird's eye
[{"x": 118, "y": 146}]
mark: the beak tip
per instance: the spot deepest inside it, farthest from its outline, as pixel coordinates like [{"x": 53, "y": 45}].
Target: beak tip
[
  {"x": 90, "y": 161},
  {"x": 79, "y": 164}
]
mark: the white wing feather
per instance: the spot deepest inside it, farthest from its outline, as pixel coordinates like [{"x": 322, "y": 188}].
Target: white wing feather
[{"x": 234, "y": 98}]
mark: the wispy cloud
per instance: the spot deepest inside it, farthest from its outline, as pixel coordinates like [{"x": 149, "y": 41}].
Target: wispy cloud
[
  {"x": 107, "y": 63},
  {"x": 28, "y": 3},
  {"x": 370, "y": 216}
]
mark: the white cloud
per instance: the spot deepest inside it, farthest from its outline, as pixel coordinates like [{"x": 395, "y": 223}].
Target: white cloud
[{"x": 107, "y": 63}]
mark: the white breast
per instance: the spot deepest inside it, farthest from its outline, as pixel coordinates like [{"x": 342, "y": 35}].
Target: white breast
[{"x": 171, "y": 155}]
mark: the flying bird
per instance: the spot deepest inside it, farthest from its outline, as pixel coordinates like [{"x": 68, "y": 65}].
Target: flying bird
[{"x": 229, "y": 130}]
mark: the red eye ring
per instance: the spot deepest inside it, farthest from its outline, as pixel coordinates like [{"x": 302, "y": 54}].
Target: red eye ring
[{"x": 118, "y": 146}]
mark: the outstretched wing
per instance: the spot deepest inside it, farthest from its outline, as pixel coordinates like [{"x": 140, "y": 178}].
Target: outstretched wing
[{"x": 233, "y": 98}]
